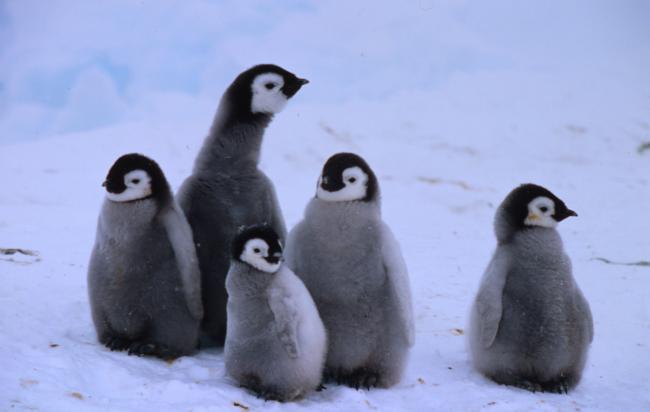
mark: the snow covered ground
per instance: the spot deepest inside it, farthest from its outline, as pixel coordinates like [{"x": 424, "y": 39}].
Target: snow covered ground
[{"x": 453, "y": 103}]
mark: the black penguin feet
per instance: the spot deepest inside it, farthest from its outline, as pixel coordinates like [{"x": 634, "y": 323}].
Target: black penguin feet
[
  {"x": 152, "y": 349},
  {"x": 561, "y": 385},
  {"x": 115, "y": 343},
  {"x": 362, "y": 378},
  {"x": 142, "y": 348}
]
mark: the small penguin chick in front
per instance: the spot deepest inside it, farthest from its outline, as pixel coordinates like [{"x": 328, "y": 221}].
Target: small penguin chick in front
[
  {"x": 530, "y": 325},
  {"x": 352, "y": 264},
  {"x": 143, "y": 279},
  {"x": 226, "y": 189},
  {"x": 275, "y": 341}
]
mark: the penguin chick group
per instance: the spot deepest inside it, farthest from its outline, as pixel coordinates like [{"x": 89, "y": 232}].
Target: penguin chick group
[{"x": 334, "y": 305}]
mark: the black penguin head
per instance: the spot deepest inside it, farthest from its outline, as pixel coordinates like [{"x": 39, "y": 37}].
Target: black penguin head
[
  {"x": 262, "y": 90},
  {"x": 134, "y": 177},
  {"x": 531, "y": 205},
  {"x": 258, "y": 246},
  {"x": 347, "y": 177}
]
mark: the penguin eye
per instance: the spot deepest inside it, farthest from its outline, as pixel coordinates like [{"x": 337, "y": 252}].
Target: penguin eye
[
  {"x": 352, "y": 180},
  {"x": 256, "y": 250},
  {"x": 544, "y": 209},
  {"x": 135, "y": 181},
  {"x": 269, "y": 86}
]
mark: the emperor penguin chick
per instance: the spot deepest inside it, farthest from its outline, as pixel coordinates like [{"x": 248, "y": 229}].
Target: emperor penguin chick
[
  {"x": 276, "y": 341},
  {"x": 226, "y": 189},
  {"x": 143, "y": 278},
  {"x": 353, "y": 267},
  {"x": 530, "y": 325}
]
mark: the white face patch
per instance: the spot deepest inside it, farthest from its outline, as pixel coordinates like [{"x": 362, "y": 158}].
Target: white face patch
[
  {"x": 355, "y": 180},
  {"x": 267, "y": 96},
  {"x": 138, "y": 186},
  {"x": 540, "y": 212},
  {"x": 255, "y": 250}
]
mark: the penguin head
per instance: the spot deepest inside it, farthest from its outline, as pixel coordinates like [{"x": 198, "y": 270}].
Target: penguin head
[
  {"x": 260, "y": 247},
  {"x": 347, "y": 177},
  {"x": 134, "y": 177},
  {"x": 263, "y": 89},
  {"x": 530, "y": 205}
]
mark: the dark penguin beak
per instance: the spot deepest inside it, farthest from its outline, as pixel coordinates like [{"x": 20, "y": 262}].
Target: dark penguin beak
[
  {"x": 292, "y": 87},
  {"x": 330, "y": 184},
  {"x": 104, "y": 183},
  {"x": 560, "y": 215},
  {"x": 274, "y": 258}
]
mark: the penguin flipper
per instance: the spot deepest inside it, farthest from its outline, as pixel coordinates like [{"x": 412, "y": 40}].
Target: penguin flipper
[
  {"x": 489, "y": 305},
  {"x": 285, "y": 313},
  {"x": 182, "y": 241},
  {"x": 398, "y": 279}
]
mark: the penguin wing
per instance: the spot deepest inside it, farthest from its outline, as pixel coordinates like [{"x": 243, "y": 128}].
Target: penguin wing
[
  {"x": 398, "y": 280},
  {"x": 182, "y": 241},
  {"x": 585, "y": 312},
  {"x": 489, "y": 306},
  {"x": 285, "y": 312}
]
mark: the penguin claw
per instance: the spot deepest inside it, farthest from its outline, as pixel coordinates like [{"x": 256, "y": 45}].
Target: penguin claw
[
  {"x": 142, "y": 349},
  {"x": 363, "y": 379},
  {"x": 117, "y": 344}
]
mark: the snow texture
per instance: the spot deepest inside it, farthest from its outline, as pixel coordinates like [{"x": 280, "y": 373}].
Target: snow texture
[{"x": 452, "y": 103}]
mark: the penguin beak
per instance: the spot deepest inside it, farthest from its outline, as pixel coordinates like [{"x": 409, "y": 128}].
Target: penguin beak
[
  {"x": 532, "y": 217},
  {"x": 563, "y": 214},
  {"x": 292, "y": 87},
  {"x": 104, "y": 183},
  {"x": 275, "y": 258}
]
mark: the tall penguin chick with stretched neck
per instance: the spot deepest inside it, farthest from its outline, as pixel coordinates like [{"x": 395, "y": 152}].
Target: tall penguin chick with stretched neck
[
  {"x": 143, "y": 279},
  {"x": 530, "y": 324},
  {"x": 353, "y": 267},
  {"x": 226, "y": 189}
]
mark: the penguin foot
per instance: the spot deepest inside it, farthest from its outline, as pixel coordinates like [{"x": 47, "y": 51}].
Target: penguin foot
[
  {"x": 141, "y": 348},
  {"x": 321, "y": 388},
  {"x": 528, "y": 385},
  {"x": 152, "y": 349},
  {"x": 115, "y": 343},
  {"x": 362, "y": 378},
  {"x": 560, "y": 385}
]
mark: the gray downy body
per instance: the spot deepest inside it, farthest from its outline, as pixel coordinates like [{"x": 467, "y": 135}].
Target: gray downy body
[
  {"x": 135, "y": 287},
  {"x": 530, "y": 324},
  {"x": 225, "y": 192},
  {"x": 276, "y": 341},
  {"x": 338, "y": 252}
]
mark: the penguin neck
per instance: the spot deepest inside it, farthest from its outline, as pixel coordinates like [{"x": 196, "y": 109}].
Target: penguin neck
[
  {"x": 234, "y": 141},
  {"x": 246, "y": 282},
  {"x": 342, "y": 214},
  {"x": 531, "y": 238}
]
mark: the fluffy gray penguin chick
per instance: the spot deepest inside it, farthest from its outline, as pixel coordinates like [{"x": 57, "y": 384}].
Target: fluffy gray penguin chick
[
  {"x": 530, "y": 325},
  {"x": 276, "y": 341},
  {"x": 353, "y": 267},
  {"x": 226, "y": 189},
  {"x": 144, "y": 282}
]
